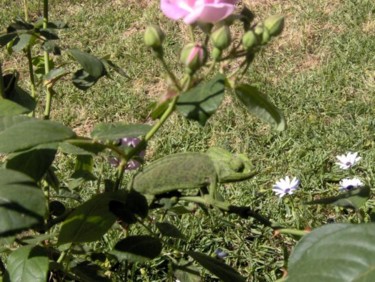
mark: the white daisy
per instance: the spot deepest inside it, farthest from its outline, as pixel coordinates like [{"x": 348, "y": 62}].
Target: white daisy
[
  {"x": 348, "y": 160},
  {"x": 286, "y": 186},
  {"x": 350, "y": 183}
]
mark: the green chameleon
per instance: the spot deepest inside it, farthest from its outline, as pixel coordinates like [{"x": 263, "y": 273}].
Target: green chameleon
[{"x": 192, "y": 170}]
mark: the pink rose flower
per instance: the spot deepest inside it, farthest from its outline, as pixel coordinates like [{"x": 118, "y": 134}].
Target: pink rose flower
[{"x": 207, "y": 11}]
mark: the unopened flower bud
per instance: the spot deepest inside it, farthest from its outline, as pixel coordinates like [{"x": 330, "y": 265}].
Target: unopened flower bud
[
  {"x": 193, "y": 56},
  {"x": 154, "y": 36},
  {"x": 221, "y": 38},
  {"x": 274, "y": 24},
  {"x": 265, "y": 36},
  {"x": 259, "y": 29},
  {"x": 249, "y": 40},
  {"x": 216, "y": 54}
]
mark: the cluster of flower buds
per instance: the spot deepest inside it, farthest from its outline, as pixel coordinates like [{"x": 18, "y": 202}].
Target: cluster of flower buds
[
  {"x": 263, "y": 32},
  {"x": 194, "y": 55}
]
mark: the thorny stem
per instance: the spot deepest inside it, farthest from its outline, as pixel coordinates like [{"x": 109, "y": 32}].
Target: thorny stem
[
  {"x": 47, "y": 110},
  {"x": 29, "y": 58},
  {"x": 169, "y": 72}
]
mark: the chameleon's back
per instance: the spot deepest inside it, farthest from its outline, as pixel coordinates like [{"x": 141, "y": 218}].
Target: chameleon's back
[{"x": 178, "y": 171}]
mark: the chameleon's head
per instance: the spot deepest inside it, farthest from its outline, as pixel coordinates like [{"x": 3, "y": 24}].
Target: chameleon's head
[{"x": 229, "y": 167}]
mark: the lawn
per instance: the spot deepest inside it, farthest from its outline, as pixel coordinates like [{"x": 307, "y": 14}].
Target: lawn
[{"x": 320, "y": 72}]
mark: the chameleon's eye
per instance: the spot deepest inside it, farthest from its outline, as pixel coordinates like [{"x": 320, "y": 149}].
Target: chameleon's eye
[{"x": 237, "y": 165}]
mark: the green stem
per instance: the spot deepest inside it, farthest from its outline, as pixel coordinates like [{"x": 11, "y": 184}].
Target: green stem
[
  {"x": 2, "y": 89},
  {"x": 163, "y": 118},
  {"x": 47, "y": 110},
  {"x": 191, "y": 33},
  {"x": 26, "y": 10},
  {"x": 169, "y": 73},
  {"x": 31, "y": 71}
]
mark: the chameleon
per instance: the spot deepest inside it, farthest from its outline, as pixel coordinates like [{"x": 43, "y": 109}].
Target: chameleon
[{"x": 192, "y": 170}]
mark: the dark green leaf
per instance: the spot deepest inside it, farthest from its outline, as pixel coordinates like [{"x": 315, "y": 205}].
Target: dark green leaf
[
  {"x": 115, "y": 131},
  {"x": 354, "y": 199},
  {"x": 51, "y": 47},
  {"x": 91, "y": 220},
  {"x": 31, "y": 133},
  {"x": 33, "y": 163},
  {"x": 9, "y": 121},
  {"x": 83, "y": 171},
  {"x": 257, "y": 104},
  {"x": 202, "y": 101},
  {"x": 19, "y": 24},
  {"x": 53, "y": 75},
  {"x": 88, "y": 271},
  {"x": 138, "y": 248},
  {"x": 22, "y": 98},
  {"x": 22, "y": 41},
  {"x": 83, "y": 80},
  {"x": 217, "y": 267},
  {"x": 110, "y": 64},
  {"x": 22, "y": 203},
  {"x": 335, "y": 252},
  {"x": 9, "y": 108},
  {"x": 28, "y": 263},
  {"x": 135, "y": 204},
  {"x": 5, "y": 38},
  {"x": 92, "y": 65},
  {"x": 169, "y": 230},
  {"x": 81, "y": 147},
  {"x": 49, "y": 34}
]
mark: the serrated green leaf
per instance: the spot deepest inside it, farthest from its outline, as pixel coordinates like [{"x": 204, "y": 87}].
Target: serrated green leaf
[
  {"x": 169, "y": 230},
  {"x": 33, "y": 163},
  {"x": 354, "y": 199},
  {"x": 22, "y": 203},
  {"x": 31, "y": 133},
  {"x": 202, "y": 101},
  {"x": 28, "y": 263},
  {"x": 91, "y": 220},
  {"x": 335, "y": 252},
  {"x": 138, "y": 248},
  {"x": 217, "y": 267},
  {"x": 5, "y": 38},
  {"x": 92, "y": 65},
  {"x": 24, "y": 40},
  {"x": 54, "y": 75},
  {"x": 81, "y": 147},
  {"x": 83, "y": 80},
  {"x": 258, "y": 105},
  {"x": 115, "y": 131}
]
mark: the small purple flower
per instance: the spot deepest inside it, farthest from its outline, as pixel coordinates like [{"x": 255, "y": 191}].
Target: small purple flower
[
  {"x": 125, "y": 143},
  {"x": 348, "y": 160},
  {"x": 220, "y": 254},
  {"x": 347, "y": 184},
  {"x": 286, "y": 186}
]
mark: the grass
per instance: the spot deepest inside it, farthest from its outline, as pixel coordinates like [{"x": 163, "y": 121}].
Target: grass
[{"x": 320, "y": 72}]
